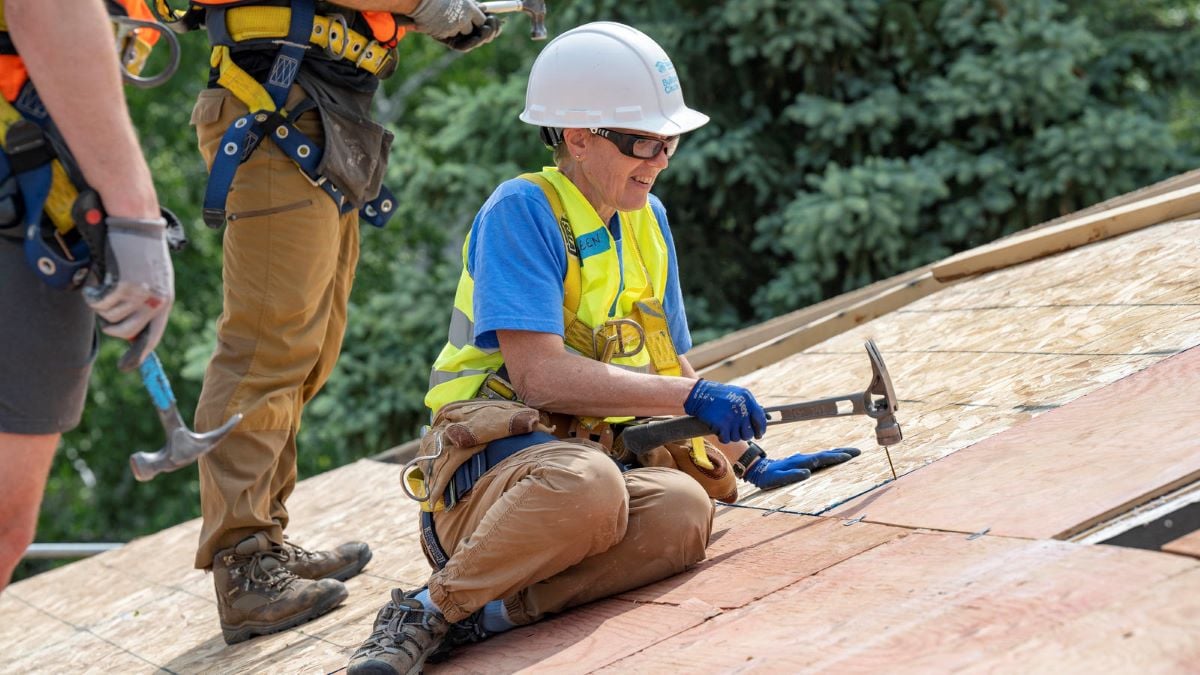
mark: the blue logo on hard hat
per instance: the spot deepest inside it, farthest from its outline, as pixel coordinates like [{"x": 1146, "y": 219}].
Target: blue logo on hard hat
[
  {"x": 664, "y": 66},
  {"x": 670, "y": 84}
]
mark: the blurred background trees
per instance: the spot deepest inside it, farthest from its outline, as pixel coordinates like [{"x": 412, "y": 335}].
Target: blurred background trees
[{"x": 850, "y": 140}]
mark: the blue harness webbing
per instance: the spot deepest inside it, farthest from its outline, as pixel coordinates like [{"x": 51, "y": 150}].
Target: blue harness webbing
[
  {"x": 63, "y": 262},
  {"x": 465, "y": 478},
  {"x": 248, "y": 131}
]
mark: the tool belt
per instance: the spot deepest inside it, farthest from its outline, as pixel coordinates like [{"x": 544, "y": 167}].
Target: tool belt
[
  {"x": 466, "y": 440},
  {"x": 294, "y": 30},
  {"x": 696, "y": 457}
]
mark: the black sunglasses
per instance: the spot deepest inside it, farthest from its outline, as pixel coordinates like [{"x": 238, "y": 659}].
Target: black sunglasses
[{"x": 639, "y": 147}]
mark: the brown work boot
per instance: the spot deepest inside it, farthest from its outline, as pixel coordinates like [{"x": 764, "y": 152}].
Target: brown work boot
[
  {"x": 405, "y": 635},
  {"x": 341, "y": 563},
  {"x": 257, "y": 595}
]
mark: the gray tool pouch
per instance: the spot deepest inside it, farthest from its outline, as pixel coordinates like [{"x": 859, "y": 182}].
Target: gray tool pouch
[{"x": 356, "y": 147}]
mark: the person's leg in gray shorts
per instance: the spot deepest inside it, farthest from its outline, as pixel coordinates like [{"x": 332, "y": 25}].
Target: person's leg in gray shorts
[{"x": 47, "y": 342}]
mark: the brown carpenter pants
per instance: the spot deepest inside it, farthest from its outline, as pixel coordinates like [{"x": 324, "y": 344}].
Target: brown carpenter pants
[
  {"x": 289, "y": 260},
  {"x": 559, "y": 525}
]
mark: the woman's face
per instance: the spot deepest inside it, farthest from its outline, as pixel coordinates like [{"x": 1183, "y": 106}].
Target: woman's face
[{"x": 612, "y": 181}]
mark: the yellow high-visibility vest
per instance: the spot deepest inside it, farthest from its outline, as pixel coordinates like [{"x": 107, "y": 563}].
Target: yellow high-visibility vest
[{"x": 590, "y": 292}]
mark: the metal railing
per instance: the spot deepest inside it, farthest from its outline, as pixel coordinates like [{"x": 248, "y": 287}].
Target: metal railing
[{"x": 43, "y": 551}]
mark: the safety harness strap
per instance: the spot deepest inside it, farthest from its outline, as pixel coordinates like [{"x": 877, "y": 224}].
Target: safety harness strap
[
  {"x": 265, "y": 101},
  {"x": 44, "y": 186},
  {"x": 467, "y": 475}
]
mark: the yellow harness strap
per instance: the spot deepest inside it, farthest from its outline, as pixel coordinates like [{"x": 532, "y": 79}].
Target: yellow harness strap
[
  {"x": 329, "y": 33},
  {"x": 576, "y": 334}
]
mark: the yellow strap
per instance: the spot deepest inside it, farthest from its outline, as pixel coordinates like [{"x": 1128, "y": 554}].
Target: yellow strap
[
  {"x": 576, "y": 333},
  {"x": 700, "y": 455},
  {"x": 62, "y": 190},
  {"x": 246, "y": 88},
  {"x": 331, "y": 34}
]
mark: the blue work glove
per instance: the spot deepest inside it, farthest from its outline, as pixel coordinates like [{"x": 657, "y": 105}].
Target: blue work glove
[
  {"x": 772, "y": 473},
  {"x": 730, "y": 412}
]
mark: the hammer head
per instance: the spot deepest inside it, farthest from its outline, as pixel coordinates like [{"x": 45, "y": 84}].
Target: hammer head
[
  {"x": 183, "y": 447},
  {"x": 883, "y": 409},
  {"x": 536, "y": 9}
]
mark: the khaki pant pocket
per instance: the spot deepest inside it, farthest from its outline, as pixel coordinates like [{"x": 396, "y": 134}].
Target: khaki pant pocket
[{"x": 258, "y": 213}]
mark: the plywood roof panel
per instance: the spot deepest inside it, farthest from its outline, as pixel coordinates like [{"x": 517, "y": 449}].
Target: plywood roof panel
[
  {"x": 923, "y": 603},
  {"x": 1154, "y": 631},
  {"x": 1065, "y": 470}
]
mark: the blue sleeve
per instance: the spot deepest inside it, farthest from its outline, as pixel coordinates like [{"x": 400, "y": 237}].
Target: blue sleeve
[
  {"x": 673, "y": 295},
  {"x": 518, "y": 262}
]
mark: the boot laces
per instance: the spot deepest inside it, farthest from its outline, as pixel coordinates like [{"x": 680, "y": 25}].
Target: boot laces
[
  {"x": 399, "y": 627},
  {"x": 296, "y": 551},
  {"x": 265, "y": 570}
]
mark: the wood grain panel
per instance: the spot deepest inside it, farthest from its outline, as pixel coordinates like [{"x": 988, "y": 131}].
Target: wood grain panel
[
  {"x": 924, "y": 603},
  {"x": 1071, "y": 233},
  {"x": 581, "y": 641},
  {"x": 755, "y": 553},
  {"x": 1152, "y": 632},
  {"x": 1113, "y": 448}
]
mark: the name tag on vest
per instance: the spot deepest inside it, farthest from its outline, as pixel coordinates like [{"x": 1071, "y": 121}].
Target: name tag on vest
[{"x": 593, "y": 243}]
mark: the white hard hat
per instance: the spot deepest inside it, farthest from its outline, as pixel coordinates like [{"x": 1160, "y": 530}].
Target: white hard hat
[{"x": 607, "y": 74}]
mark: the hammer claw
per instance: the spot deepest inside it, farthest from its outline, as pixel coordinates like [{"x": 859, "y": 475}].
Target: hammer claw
[{"x": 183, "y": 445}]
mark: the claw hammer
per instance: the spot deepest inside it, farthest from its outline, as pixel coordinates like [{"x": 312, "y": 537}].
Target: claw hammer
[{"x": 183, "y": 445}]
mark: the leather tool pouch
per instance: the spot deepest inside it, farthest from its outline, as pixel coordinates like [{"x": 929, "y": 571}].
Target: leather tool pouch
[
  {"x": 463, "y": 428},
  {"x": 718, "y": 481}
]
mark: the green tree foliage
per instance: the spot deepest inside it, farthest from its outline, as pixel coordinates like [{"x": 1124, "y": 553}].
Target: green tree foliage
[{"x": 851, "y": 140}]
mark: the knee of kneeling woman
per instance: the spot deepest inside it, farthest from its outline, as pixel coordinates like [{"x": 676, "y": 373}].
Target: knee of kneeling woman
[
  {"x": 692, "y": 510},
  {"x": 593, "y": 487}
]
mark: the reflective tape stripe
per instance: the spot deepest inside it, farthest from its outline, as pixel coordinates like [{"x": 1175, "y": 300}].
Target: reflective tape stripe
[
  {"x": 462, "y": 329},
  {"x": 438, "y": 377}
]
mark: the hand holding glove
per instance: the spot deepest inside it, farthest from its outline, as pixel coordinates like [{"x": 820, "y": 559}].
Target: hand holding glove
[
  {"x": 729, "y": 411},
  {"x": 461, "y": 24},
  {"x": 483, "y": 34},
  {"x": 772, "y": 473},
  {"x": 138, "y": 288}
]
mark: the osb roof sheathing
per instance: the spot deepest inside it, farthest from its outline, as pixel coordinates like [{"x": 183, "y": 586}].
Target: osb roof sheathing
[{"x": 1035, "y": 400}]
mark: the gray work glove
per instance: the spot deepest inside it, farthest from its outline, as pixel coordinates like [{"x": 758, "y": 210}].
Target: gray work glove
[
  {"x": 446, "y": 19},
  {"x": 483, "y": 34},
  {"x": 135, "y": 296}
]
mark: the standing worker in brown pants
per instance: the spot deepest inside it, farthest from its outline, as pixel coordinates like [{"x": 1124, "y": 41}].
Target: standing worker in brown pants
[
  {"x": 294, "y": 159},
  {"x": 569, "y": 301}
]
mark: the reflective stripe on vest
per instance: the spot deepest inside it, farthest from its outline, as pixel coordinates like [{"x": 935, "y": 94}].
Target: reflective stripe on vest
[{"x": 459, "y": 370}]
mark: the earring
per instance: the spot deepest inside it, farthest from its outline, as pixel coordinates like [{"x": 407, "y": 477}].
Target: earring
[{"x": 578, "y": 156}]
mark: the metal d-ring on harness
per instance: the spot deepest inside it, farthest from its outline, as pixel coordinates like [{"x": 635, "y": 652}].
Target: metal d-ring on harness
[{"x": 263, "y": 120}]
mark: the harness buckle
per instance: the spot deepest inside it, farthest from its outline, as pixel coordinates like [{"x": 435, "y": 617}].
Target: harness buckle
[{"x": 609, "y": 339}]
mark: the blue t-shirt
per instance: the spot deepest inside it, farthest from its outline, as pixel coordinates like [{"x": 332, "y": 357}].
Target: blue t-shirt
[{"x": 518, "y": 262}]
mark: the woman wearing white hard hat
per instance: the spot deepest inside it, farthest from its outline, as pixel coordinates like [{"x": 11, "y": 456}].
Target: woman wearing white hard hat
[{"x": 568, "y": 322}]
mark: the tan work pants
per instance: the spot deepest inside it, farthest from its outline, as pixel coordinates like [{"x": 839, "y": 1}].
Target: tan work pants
[
  {"x": 289, "y": 260},
  {"x": 559, "y": 525}
]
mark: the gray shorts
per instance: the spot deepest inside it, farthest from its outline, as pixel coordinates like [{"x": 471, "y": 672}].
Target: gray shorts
[{"x": 47, "y": 344}]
